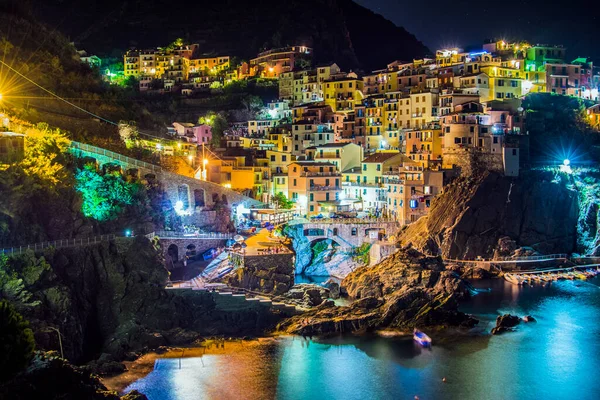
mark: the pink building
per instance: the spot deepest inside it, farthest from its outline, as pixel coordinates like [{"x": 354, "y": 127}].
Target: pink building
[
  {"x": 202, "y": 133},
  {"x": 573, "y": 79}
]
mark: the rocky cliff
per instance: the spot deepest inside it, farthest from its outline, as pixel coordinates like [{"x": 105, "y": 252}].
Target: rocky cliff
[
  {"x": 405, "y": 290},
  {"x": 495, "y": 215},
  {"x": 110, "y": 298},
  {"x": 273, "y": 274}
]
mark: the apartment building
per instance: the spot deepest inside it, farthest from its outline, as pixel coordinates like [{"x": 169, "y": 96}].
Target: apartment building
[
  {"x": 272, "y": 63},
  {"x": 314, "y": 187},
  {"x": 365, "y": 184},
  {"x": 409, "y": 191}
]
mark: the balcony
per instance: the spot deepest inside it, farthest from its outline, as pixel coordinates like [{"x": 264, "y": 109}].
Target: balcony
[
  {"x": 318, "y": 188},
  {"x": 363, "y": 184},
  {"x": 325, "y": 173}
]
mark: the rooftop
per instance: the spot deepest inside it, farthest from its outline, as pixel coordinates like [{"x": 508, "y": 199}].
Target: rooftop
[{"x": 380, "y": 157}]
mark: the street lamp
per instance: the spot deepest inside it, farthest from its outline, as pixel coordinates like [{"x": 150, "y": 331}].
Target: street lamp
[{"x": 62, "y": 354}]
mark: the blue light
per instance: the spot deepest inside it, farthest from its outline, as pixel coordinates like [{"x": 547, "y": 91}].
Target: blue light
[
  {"x": 127, "y": 233},
  {"x": 478, "y": 53}
]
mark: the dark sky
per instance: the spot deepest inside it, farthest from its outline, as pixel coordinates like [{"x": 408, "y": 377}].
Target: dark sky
[{"x": 439, "y": 23}]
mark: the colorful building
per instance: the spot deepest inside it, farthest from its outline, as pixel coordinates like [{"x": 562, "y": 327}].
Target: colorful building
[
  {"x": 314, "y": 187},
  {"x": 274, "y": 62}
]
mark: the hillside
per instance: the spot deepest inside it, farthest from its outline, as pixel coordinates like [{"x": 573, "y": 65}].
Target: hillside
[{"x": 339, "y": 30}]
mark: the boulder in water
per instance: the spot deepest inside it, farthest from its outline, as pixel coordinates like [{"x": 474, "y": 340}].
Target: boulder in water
[
  {"x": 334, "y": 288},
  {"x": 529, "y": 318},
  {"x": 505, "y": 323}
]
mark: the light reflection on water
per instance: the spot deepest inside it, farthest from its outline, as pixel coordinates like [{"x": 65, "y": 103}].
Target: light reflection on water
[{"x": 555, "y": 358}]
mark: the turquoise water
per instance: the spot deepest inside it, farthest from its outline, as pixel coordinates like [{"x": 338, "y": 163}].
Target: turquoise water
[{"x": 556, "y": 358}]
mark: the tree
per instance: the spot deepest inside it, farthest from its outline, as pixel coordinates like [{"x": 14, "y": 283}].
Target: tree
[
  {"x": 17, "y": 345},
  {"x": 218, "y": 124},
  {"x": 104, "y": 196},
  {"x": 128, "y": 131},
  {"x": 252, "y": 103},
  {"x": 282, "y": 201}
]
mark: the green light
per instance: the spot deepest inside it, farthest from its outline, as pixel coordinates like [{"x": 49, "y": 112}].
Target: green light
[{"x": 104, "y": 196}]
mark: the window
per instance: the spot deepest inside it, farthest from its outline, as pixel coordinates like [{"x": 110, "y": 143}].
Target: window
[
  {"x": 364, "y": 167},
  {"x": 273, "y": 158},
  {"x": 456, "y": 140},
  {"x": 514, "y": 152},
  {"x": 312, "y": 197},
  {"x": 354, "y": 231},
  {"x": 378, "y": 167},
  {"x": 283, "y": 158},
  {"x": 294, "y": 182}
]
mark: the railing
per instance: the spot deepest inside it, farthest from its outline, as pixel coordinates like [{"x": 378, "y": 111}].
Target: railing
[
  {"x": 57, "y": 244},
  {"x": 362, "y": 184},
  {"x": 324, "y": 188},
  {"x": 509, "y": 260},
  {"x": 324, "y": 173},
  {"x": 183, "y": 235},
  {"x": 114, "y": 156},
  {"x": 350, "y": 221}
]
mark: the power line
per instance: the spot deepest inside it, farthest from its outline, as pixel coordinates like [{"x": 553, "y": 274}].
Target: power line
[
  {"x": 71, "y": 104},
  {"x": 57, "y": 96}
]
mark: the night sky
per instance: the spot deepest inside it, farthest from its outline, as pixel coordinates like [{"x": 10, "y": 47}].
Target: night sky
[{"x": 440, "y": 23}]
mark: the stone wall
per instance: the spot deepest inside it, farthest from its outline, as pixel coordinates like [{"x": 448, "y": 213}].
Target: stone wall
[
  {"x": 273, "y": 274},
  {"x": 381, "y": 250},
  {"x": 202, "y": 245}
]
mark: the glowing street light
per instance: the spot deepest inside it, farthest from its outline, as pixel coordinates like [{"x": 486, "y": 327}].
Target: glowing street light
[{"x": 566, "y": 166}]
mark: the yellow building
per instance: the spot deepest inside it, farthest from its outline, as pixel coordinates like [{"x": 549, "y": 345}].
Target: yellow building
[
  {"x": 212, "y": 65},
  {"x": 342, "y": 94},
  {"x": 449, "y": 57},
  {"x": 593, "y": 114},
  {"x": 314, "y": 186},
  {"x": 366, "y": 183},
  {"x": 505, "y": 81},
  {"x": 424, "y": 146}
]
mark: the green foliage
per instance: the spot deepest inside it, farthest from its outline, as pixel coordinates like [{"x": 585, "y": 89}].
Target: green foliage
[
  {"x": 45, "y": 154},
  {"x": 12, "y": 286},
  {"x": 558, "y": 127},
  {"x": 362, "y": 253},
  {"x": 218, "y": 123},
  {"x": 282, "y": 201},
  {"x": 17, "y": 344},
  {"x": 319, "y": 248},
  {"x": 104, "y": 196}
]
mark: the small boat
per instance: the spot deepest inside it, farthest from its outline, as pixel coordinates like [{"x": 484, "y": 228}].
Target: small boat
[{"x": 421, "y": 338}]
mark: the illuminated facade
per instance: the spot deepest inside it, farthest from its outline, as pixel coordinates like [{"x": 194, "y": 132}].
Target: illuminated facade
[
  {"x": 314, "y": 186},
  {"x": 274, "y": 62}
]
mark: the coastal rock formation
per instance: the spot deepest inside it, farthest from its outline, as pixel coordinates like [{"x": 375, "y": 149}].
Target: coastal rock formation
[
  {"x": 305, "y": 295},
  {"x": 273, "y": 274},
  {"x": 505, "y": 323},
  {"x": 405, "y": 290},
  {"x": 110, "y": 298},
  {"x": 493, "y": 215}
]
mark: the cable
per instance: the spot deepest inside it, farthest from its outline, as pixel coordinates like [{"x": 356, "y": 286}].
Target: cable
[{"x": 57, "y": 96}]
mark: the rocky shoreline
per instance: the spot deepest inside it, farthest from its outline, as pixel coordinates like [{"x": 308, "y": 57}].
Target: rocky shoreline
[{"x": 406, "y": 290}]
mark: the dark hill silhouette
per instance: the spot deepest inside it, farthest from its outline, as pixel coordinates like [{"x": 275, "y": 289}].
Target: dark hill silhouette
[{"x": 338, "y": 30}]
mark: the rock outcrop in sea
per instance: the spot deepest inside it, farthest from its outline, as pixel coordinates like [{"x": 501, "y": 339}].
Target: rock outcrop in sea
[{"x": 405, "y": 290}]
